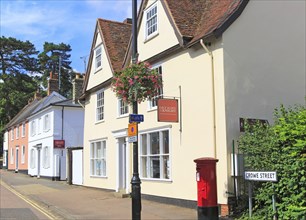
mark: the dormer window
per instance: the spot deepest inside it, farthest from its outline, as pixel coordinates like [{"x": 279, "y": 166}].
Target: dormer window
[
  {"x": 98, "y": 57},
  {"x": 151, "y": 21}
]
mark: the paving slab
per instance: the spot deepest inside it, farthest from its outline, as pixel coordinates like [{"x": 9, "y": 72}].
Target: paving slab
[{"x": 79, "y": 202}]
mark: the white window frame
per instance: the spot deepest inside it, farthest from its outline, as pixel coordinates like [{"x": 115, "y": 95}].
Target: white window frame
[
  {"x": 39, "y": 126},
  {"x": 152, "y": 103},
  {"x": 98, "y": 158},
  {"x": 33, "y": 128},
  {"x": 123, "y": 108},
  {"x": 12, "y": 133},
  {"x": 46, "y": 157},
  {"x": 32, "y": 158},
  {"x": 150, "y": 16},
  {"x": 22, "y": 154},
  {"x": 98, "y": 57},
  {"x": 23, "y": 130},
  {"x": 12, "y": 156},
  {"x": 17, "y": 131},
  {"x": 147, "y": 157},
  {"x": 100, "y": 107},
  {"x": 47, "y": 122}
]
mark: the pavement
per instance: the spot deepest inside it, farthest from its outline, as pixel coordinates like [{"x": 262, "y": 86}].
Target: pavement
[{"x": 59, "y": 200}]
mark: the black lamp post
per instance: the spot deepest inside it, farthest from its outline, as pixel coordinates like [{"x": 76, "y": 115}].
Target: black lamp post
[{"x": 135, "y": 182}]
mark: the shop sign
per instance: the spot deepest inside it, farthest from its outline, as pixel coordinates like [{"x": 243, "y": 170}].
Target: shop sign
[
  {"x": 167, "y": 110},
  {"x": 59, "y": 143}
]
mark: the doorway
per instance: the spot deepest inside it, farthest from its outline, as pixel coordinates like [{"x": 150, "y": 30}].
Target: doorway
[
  {"x": 122, "y": 165},
  {"x": 17, "y": 159}
]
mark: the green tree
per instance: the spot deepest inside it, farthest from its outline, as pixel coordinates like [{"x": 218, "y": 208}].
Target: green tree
[
  {"x": 281, "y": 148},
  {"x": 18, "y": 62},
  {"x": 55, "y": 58}
]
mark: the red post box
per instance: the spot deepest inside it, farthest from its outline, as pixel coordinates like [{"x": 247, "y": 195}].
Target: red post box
[{"x": 207, "y": 188}]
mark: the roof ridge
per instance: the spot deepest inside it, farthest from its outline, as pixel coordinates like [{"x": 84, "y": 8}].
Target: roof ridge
[{"x": 112, "y": 21}]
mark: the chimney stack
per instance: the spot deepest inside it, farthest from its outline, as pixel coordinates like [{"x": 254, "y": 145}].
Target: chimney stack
[
  {"x": 37, "y": 95},
  {"x": 77, "y": 85},
  {"x": 52, "y": 83},
  {"x": 128, "y": 21}
]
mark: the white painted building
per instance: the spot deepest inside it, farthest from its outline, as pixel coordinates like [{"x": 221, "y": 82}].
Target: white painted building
[
  {"x": 5, "y": 149},
  {"x": 52, "y": 129}
]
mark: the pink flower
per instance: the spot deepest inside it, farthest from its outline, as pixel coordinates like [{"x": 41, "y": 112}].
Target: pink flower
[{"x": 131, "y": 82}]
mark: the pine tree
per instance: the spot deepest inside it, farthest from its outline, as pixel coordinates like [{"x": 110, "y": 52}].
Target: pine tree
[{"x": 55, "y": 58}]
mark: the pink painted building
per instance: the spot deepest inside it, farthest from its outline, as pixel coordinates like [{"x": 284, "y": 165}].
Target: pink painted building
[{"x": 18, "y": 138}]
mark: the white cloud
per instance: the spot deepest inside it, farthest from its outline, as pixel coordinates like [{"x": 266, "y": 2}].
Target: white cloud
[{"x": 68, "y": 21}]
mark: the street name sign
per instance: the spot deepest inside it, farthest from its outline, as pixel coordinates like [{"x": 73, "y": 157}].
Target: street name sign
[
  {"x": 135, "y": 118},
  {"x": 260, "y": 176}
]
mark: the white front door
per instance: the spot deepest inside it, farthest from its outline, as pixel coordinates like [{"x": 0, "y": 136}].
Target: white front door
[
  {"x": 77, "y": 167},
  {"x": 122, "y": 165},
  {"x": 17, "y": 159}
]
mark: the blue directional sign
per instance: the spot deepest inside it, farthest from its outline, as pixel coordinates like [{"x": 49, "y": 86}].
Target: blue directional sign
[{"x": 136, "y": 118}]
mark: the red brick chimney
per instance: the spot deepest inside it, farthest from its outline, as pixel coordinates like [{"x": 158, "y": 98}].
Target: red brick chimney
[
  {"x": 53, "y": 83},
  {"x": 128, "y": 21}
]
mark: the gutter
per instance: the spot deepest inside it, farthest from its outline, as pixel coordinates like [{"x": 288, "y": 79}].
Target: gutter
[{"x": 213, "y": 97}]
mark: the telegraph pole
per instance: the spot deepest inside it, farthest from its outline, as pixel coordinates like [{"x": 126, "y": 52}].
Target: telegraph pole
[{"x": 135, "y": 182}]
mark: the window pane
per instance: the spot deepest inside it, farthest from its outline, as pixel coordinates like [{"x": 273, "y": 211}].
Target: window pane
[
  {"x": 143, "y": 144},
  {"x": 98, "y": 167},
  {"x": 154, "y": 142},
  {"x": 99, "y": 150},
  {"x": 166, "y": 142},
  {"x": 103, "y": 164},
  {"x": 92, "y": 167},
  {"x": 144, "y": 166},
  {"x": 155, "y": 167},
  {"x": 92, "y": 152},
  {"x": 103, "y": 149},
  {"x": 166, "y": 167}
]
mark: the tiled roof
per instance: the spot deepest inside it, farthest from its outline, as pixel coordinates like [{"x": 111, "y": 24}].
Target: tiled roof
[
  {"x": 23, "y": 113},
  {"x": 116, "y": 36},
  {"x": 196, "y": 19}
]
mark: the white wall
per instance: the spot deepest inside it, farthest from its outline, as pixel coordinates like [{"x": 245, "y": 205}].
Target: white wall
[
  {"x": 73, "y": 125},
  {"x": 264, "y": 61},
  {"x": 5, "y": 140},
  {"x": 73, "y": 136},
  {"x": 165, "y": 38}
]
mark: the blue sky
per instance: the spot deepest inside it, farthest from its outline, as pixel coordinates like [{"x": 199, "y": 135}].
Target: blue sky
[{"x": 68, "y": 21}]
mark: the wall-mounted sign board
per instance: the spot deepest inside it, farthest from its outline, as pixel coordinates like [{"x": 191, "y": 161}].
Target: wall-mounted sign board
[{"x": 167, "y": 110}]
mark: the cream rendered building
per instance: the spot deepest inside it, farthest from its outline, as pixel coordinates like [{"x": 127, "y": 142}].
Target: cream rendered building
[{"x": 223, "y": 60}]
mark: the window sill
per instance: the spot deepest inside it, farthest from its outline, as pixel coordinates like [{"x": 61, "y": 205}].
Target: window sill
[
  {"x": 97, "y": 70},
  {"x": 156, "y": 180},
  {"x": 152, "y": 109},
  {"x": 151, "y": 37},
  {"x": 99, "y": 122},
  {"x": 100, "y": 177},
  {"x": 123, "y": 116}
]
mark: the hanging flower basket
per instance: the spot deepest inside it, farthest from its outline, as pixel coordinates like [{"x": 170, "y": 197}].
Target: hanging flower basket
[{"x": 137, "y": 83}]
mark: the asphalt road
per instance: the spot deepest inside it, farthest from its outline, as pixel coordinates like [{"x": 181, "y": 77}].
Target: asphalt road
[{"x": 14, "y": 206}]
